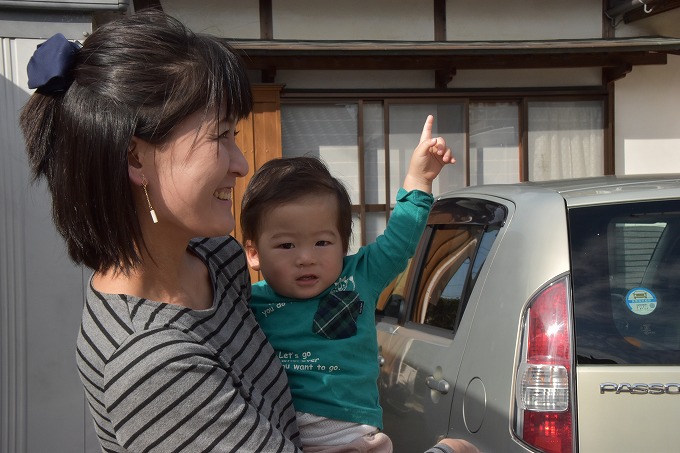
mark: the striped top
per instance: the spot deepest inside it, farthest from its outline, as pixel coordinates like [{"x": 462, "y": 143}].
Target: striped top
[{"x": 161, "y": 377}]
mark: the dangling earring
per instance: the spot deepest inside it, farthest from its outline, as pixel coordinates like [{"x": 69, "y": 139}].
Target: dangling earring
[{"x": 151, "y": 211}]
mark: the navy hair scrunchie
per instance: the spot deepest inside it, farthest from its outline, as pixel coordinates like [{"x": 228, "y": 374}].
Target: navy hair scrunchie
[{"x": 49, "y": 69}]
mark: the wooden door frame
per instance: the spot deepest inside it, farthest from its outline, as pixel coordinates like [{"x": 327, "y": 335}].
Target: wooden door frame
[{"x": 260, "y": 140}]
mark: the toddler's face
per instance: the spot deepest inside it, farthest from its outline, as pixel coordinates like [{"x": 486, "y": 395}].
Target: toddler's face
[{"x": 299, "y": 251}]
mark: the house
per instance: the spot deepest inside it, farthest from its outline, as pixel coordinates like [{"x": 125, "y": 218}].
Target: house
[{"x": 521, "y": 89}]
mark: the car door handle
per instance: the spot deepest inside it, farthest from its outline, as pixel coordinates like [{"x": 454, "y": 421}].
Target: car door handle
[{"x": 439, "y": 385}]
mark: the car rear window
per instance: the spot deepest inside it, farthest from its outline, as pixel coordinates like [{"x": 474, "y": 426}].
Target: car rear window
[{"x": 626, "y": 282}]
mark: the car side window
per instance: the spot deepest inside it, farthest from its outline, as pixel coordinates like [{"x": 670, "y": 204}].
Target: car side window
[
  {"x": 435, "y": 287},
  {"x": 450, "y": 269},
  {"x": 393, "y": 298}
]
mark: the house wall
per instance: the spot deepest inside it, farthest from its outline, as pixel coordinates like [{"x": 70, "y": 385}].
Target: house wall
[
  {"x": 522, "y": 20},
  {"x": 647, "y": 136},
  {"x": 392, "y": 20},
  {"x": 226, "y": 18},
  {"x": 648, "y": 120},
  {"x": 407, "y": 20}
]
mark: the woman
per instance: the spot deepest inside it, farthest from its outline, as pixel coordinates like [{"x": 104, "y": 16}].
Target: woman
[{"x": 134, "y": 133}]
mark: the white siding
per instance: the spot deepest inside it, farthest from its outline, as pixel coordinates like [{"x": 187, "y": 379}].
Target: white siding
[
  {"x": 41, "y": 295},
  {"x": 409, "y": 20},
  {"x": 647, "y": 119},
  {"x": 523, "y": 19},
  {"x": 225, "y": 18},
  {"x": 647, "y": 100}
]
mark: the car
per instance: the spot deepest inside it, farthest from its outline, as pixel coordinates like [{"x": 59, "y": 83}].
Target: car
[{"x": 539, "y": 317}]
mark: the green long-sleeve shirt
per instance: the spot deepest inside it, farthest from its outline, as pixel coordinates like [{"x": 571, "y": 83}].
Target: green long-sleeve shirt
[{"x": 336, "y": 377}]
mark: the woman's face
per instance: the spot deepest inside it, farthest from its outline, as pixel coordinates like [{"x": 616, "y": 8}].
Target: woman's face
[{"x": 195, "y": 173}]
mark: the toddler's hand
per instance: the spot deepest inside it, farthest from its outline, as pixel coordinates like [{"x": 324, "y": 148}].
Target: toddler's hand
[{"x": 427, "y": 160}]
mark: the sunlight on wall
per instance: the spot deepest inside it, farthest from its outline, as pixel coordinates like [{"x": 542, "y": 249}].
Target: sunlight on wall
[{"x": 651, "y": 156}]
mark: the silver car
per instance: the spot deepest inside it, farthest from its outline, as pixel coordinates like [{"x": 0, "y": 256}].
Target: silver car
[{"x": 539, "y": 317}]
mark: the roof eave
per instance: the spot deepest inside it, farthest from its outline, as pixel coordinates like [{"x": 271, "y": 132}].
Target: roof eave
[{"x": 605, "y": 53}]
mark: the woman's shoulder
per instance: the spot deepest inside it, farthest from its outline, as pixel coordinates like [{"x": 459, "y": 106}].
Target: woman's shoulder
[
  {"x": 224, "y": 257},
  {"x": 223, "y": 247},
  {"x": 216, "y": 243}
]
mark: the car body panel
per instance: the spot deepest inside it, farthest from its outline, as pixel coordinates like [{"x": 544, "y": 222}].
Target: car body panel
[
  {"x": 525, "y": 233},
  {"x": 640, "y": 422},
  {"x": 404, "y": 379},
  {"x": 586, "y": 191}
]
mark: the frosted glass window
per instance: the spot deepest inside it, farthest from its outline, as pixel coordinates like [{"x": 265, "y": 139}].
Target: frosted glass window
[
  {"x": 405, "y": 128},
  {"x": 326, "y": 131},
  {"x": 375, "y": 225},
  {"x": 355, "y": 240},
  {"x": 494, "y": 143},
  {"x": 374, "y": 154},
  {"x": 566, "y": 139}
]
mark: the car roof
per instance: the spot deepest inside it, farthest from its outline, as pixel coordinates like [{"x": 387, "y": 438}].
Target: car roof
[{"x": 584, "y": 191}]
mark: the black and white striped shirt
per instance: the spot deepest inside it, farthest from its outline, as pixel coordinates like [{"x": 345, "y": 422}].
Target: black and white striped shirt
[{"x": 161, "y": 377}]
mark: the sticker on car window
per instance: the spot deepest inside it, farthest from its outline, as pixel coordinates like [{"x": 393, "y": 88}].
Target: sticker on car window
[{"x": 641, "y": 301}]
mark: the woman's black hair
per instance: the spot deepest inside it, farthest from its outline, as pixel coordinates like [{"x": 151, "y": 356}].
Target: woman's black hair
[{"x": 137, "y": 76}]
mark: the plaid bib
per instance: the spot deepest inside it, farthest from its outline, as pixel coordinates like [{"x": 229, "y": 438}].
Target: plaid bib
[{"x": 337, "y": 314}]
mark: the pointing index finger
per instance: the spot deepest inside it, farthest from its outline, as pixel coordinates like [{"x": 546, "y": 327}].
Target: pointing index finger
[{"x": 427, "y": 129}]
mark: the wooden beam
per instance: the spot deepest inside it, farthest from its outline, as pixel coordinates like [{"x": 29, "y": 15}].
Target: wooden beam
[
  {"x": 267, "y": 75},
  {"x": 266, "y": 20},
  {"x": 448, "y": 57},
  {"x": 455, "y": 48},
  {"x": 615, "y": 73},
  {"x": 609, "y": 131},
  {"x": 450, "y": 63},
  {"x": 607, "y": 25},
  {"x": 442, "y": 77},
  {"x": 440, "y": 20}
]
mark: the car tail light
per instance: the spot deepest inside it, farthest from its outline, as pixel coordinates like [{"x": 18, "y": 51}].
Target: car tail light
[{"x": 544, "y": 385}]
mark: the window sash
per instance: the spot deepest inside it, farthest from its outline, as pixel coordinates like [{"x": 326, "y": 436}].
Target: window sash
[{"x": 367, "y": 143}]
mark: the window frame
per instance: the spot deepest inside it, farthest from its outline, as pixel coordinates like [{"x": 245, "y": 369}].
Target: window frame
[
  {"x": 469, "y": 212},
  {"x": 522, "y": 97}
]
